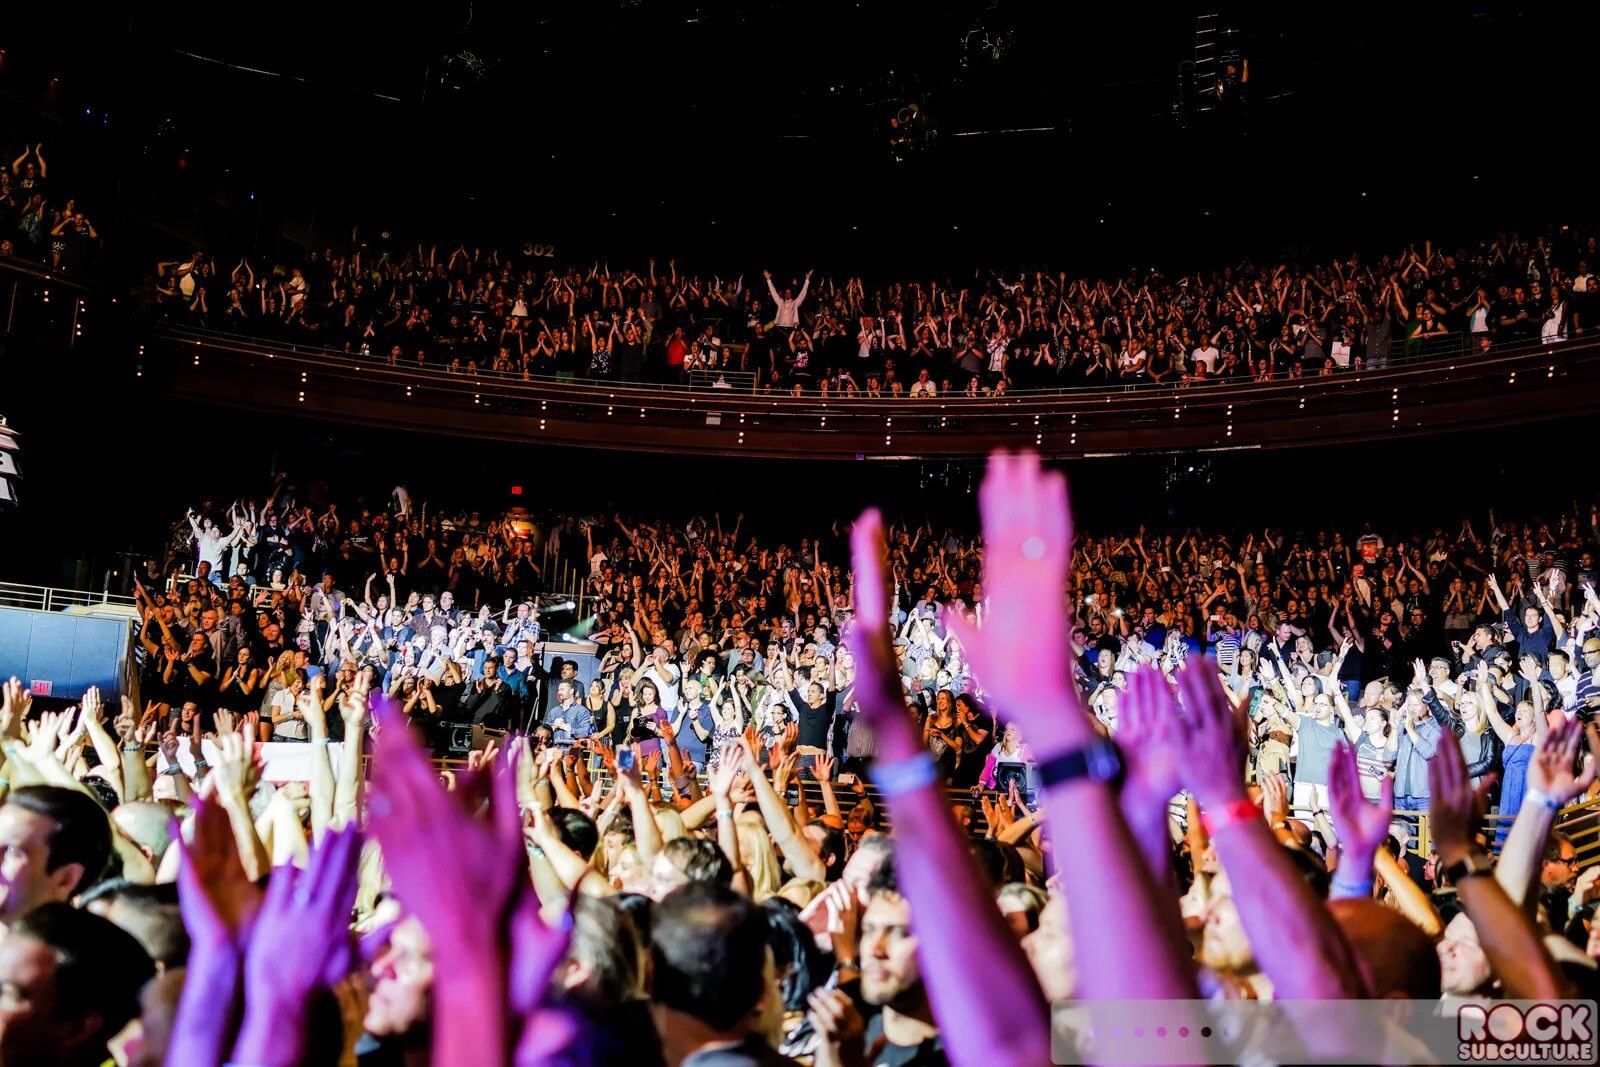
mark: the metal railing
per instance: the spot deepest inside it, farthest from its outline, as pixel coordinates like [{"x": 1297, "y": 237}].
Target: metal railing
[
  {"x": 51, "y": 598},
  {"x": 1401, "y": 357}
]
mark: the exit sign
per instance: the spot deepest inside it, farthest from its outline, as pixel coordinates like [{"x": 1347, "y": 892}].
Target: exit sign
[{"x": 41, "y": 687}]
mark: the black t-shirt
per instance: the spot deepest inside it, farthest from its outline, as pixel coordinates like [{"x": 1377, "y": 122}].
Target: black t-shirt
[
  {"x": 929, "y": 1053},
  {"x": 203, "y": 694},
  {"x": 814, "y": 722}
]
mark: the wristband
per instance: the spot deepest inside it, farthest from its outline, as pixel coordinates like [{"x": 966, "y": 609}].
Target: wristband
[
  {"x": 725, "y": 813},
  {"x": 1235, "y": 811},
  {"x": 133, "y": 748},
  {"x": 1098, "y": 761},
  {"x": 201, "y": 765},
  {"x": 1338, "y": 890},
  {"x": 906, "y": 775},
  {"x": 1540, "y": 797},
  {"x": 319, "y": 740}
]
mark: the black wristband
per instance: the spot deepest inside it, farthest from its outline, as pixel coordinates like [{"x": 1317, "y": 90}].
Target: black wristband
[{"x": 1098, "y": 761}]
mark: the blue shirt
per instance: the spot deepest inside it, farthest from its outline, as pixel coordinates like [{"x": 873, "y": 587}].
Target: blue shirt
[
  {"x": 694, "y": 749},
  {"x": 580, "y": 723}
]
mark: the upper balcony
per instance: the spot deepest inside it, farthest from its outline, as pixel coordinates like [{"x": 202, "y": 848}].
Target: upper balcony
[{"x": 1445, "y": 390}]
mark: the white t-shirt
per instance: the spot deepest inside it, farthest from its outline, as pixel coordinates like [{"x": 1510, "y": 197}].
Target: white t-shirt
[
  {"x": 283, "y": 704},
  {"x": 209, "y": 545},
  {"x": 1206, "y": 354},
  {"x": 666, "y": 690},
  {"x": 1340, "y": 350}
]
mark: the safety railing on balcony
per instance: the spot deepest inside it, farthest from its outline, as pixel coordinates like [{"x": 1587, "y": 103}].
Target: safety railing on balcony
[
  {"x": 1401, "y": 355},
  {"x": 51, "y": 598}
]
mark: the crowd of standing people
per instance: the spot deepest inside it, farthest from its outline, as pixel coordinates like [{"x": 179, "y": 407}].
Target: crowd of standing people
[
  {"x": 1184, "y": 749},
  {"x": 510, "y": 313}
]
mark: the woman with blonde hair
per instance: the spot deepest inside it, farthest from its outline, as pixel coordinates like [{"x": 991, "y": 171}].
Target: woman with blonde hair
[
  {"x": 760, "y": 858},
  {"x": 670, "y": 823},
  {"x": 1480, "y": 746},
  {"x": 279, "y": 676}
]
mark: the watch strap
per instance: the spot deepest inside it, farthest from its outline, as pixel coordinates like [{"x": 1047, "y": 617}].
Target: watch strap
[
  {"x": 1474, "y": 863},
  {"x": 1098, "y": 761}
]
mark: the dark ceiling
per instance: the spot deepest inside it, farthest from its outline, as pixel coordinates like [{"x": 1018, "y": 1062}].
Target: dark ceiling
[{"x": 634, "y": 127}]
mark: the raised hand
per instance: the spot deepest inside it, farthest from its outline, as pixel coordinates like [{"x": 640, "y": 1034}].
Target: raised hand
[
  {"x": 1211, "y": 745},
  {"x": 482, "y": 759},
  {"x": 838, "y": 1025},
  {"x": 15, "y": 702},
  {"x": 822, "y": 767},
  {"x": 169, "y": 746},
  {"x": 310, "y": 708},
  {"x": 1361, "y": 825},
  {"x": 299, "y": 943},
  {"x": 783, "y": 772},
  {"x": 1551, "y": 769},
  {"x": 90, "y": 708},
  {"x": 354, "y": 706},
  {"x": 234, "y": 774},
  {"x": 1274, "y": 798},
  {"x": 462, "y": 903},
  {"x": 1021, "y": 655},
  {"x": 1147, "y": 731},
  {"x": 727, "y": 769},
  {"x": 217, "y": 898}
]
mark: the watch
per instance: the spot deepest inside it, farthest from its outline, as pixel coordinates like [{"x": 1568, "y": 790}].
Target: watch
[
  {"x": 1473, "y": 863},
  {"x": 1098, "y": 761}
]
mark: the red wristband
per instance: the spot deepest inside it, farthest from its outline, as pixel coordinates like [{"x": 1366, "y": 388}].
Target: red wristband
[{"x": 1233, "y": 812}]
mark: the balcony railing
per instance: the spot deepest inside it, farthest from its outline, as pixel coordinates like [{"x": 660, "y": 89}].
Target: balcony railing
[
  {"x": 1428, "y": 394},
  {"x": 51, "y": 598}
]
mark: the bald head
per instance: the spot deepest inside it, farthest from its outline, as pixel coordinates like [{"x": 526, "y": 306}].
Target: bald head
[{"x": 147, "y": 824}]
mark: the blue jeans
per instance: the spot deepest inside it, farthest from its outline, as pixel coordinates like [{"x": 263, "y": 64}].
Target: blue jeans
[{"x": 1411, "y": 803}]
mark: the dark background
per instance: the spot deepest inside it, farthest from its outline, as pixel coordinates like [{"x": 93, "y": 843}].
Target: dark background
[
  {"x": 741, "y": 135},
  {"x": 737, "y": 135}
]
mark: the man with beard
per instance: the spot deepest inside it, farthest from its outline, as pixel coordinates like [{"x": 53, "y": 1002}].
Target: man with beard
[{"x": 902, "y": 1031}]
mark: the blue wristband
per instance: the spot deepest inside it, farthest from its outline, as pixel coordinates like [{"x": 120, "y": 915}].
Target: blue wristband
[{"x": 905, "y": 776}]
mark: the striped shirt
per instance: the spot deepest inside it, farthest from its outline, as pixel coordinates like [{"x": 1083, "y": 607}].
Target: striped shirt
[{"x": 1588, "y": 688}]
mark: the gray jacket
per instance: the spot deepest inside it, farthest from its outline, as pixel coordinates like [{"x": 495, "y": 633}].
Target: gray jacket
[{"x": 1411, "y": 760}]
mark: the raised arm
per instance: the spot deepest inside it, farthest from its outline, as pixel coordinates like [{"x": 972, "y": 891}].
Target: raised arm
[
  {"x": 1003, "y": 1019},
  {"x": 1509, "y": 938},
  {"x": 803, "y": 860},
  {"x": 321, "y": 774},
  {"x": 1551, "y": 784},
  {"x": 1307, "y": 957},
  {"x": 347, "y": 789}
]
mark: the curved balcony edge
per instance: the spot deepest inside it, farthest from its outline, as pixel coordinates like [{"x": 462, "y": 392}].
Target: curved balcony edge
[{"x": 1457, "y": 393}]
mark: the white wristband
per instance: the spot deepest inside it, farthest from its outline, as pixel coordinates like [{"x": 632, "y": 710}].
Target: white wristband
[{"x": 1539, "y": 796}]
